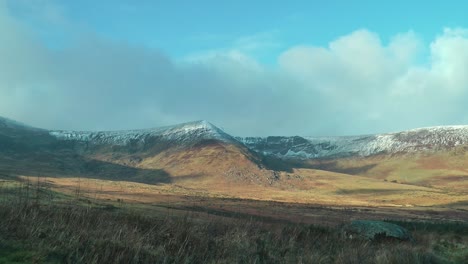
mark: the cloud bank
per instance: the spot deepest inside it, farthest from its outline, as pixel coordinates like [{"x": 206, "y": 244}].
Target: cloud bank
[{"x": 355, "y": 85}]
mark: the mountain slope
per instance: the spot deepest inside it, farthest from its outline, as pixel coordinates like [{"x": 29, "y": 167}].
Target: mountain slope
[
  {"x": 435, "y": 156},
  {"x": 184, "y": 151},
  {"x": 200, "y": 154},
  {"x": 183, "y": 134},
  {"x": 195, "y": 150},
  {"x": 198, "y": 157},
  {"x": 411, "y": 141}
]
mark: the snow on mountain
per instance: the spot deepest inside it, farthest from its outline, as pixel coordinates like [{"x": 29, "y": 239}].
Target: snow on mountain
[
  {"x": 183, "y": 133},
  {"x": 422, "y": 139}
]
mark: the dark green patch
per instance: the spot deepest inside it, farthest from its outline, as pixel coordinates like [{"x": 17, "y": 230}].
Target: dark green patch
[{"x": 16, "y": 254}]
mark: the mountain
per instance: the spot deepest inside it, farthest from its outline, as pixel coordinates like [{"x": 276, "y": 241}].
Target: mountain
[
  {"x": 199, "y": 156},
  {"x": 183, "y": 134},
  {"x": 433, "y": 156},
  {"x": 190, "y": 152},
  {"x": 411, "y": 141},
  {"x": 422, "y": 166}
]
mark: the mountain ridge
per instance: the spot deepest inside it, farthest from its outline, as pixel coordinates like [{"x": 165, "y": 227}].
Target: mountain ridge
[
  {"x": 200, "y": 156},
  {"x": 419, "y": 139},
  {"x": 184, "y": 132},
  {"x": 283, "y": 147}
]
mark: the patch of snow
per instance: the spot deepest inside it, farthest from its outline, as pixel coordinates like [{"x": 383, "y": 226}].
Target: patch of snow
[
  {"x": 182, "y": 133},
  {"x": 421, "y": 139}
]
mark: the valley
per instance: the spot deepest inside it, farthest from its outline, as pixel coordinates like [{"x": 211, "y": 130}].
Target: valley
[
  {"x": 413, "y": 169},
  {"x": 198, "y": 171}
]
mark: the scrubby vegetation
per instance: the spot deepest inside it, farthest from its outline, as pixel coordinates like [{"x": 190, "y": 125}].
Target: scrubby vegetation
[{"x": 50, "y": 228}]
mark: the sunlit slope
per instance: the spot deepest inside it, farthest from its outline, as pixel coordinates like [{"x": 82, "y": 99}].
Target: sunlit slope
[
  {"x": 446, "y": 170},
  {"x": 303, "y": 186}
]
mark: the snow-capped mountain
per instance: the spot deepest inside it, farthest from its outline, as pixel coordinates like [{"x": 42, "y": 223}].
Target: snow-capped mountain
[
  {"x": 422, "y": 139},
  {"x": 184, "y": 151},
  {"x": 187, "y": 134},
  {"x": 182, "y": 133}
]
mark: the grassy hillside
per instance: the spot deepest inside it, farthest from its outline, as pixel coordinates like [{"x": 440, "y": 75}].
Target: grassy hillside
[{"x": 446, "y": 170}]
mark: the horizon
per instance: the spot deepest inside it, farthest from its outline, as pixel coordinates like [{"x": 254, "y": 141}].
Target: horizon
[
  {"x": 334, "y": 68},
  {"x": 227, "y": 132}
]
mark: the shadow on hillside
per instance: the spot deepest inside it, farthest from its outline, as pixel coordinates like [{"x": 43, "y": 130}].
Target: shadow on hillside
[
  {"x": 353, "y": 170},
  {"x": 369, "y": 191},
  {"x": 81, "y": 167},
  {"x": 278, "y": 164},
  {"x": 182, "y": 178},
  {"x": 333, "y": 166},
  {"x": 463, "y": 204}
]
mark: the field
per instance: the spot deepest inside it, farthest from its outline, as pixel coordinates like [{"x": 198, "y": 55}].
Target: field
[
  {"x": 310, "y": 206},
  {"x": 72, "y": 220}
]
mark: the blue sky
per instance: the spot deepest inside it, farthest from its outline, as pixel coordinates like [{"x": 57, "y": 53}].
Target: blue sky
[
  {"x": 180, "y": 28},
  {"x": 251, "y": 67}
]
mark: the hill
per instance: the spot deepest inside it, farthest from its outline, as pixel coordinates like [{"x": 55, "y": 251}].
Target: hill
[{"x": 199, "y": 158}]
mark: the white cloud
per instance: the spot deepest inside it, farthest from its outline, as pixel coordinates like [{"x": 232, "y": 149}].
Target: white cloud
[
  {"x": 356, "y": 84},
  {"x": 384, "y": 83}
]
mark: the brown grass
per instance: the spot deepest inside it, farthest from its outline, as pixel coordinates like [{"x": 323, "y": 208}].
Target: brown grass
[
  {"x": 57, "y": 232},
  {"x": 66, "y": 220}
]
